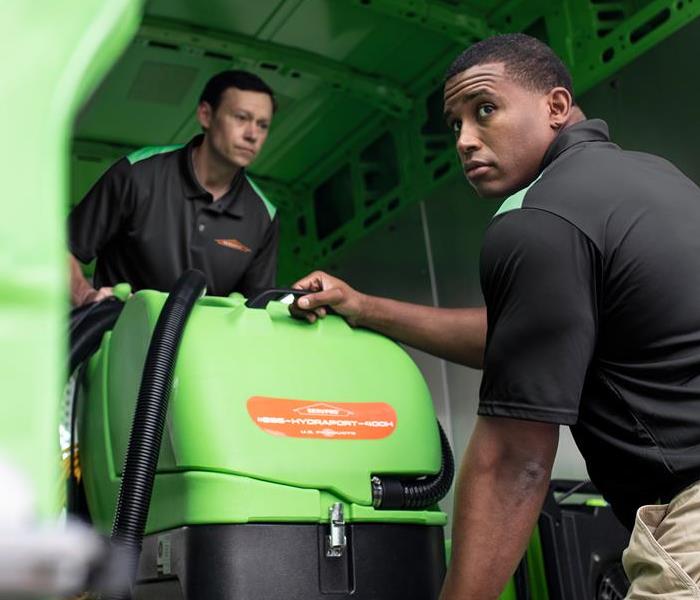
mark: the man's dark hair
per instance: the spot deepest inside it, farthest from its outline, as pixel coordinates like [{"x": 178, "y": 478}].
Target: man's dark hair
[
  {"x": 241, "y": 80},
  {"x": 527, "y": 61}
]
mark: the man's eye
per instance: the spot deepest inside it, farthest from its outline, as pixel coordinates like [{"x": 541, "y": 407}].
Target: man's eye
[
  {"x": 264, "y": 126},
  {"x": 485, "y": 110},
  {"x": 456, "y": 126}
]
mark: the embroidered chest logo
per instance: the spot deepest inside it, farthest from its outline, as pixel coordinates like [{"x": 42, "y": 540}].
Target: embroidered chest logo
[{"x": 234, "y": 245}]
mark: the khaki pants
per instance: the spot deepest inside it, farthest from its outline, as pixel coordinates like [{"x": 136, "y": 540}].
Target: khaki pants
[{"x": 663, "y": 557}]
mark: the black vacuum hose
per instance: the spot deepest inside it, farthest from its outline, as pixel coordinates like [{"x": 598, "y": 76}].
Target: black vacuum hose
[
  {"x": 88, "y": 325},
  {"x": 392, "y": 493},
  {"x": 149, "y": 419}
]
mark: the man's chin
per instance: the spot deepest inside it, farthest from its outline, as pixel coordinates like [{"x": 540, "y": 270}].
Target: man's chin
[
  {"x": 240, "y": 162},
  {"x": 487, "y": 189}
]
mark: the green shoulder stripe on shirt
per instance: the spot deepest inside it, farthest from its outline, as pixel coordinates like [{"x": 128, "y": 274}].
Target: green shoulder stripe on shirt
[
  {"x": 516, "y": 200},
  {"x": 148, "y": 151},
  {"x": 271, "y": 208}
]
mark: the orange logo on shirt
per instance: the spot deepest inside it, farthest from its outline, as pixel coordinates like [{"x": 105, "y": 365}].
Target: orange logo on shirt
[{"x": 234, "y": 245}]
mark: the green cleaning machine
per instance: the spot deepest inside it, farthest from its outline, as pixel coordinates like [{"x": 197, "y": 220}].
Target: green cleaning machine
[{"x": 241, "y": 454}]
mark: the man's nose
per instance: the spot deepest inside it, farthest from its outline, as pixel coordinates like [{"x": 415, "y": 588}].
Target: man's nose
[
  {"x": 251, "y": 132},
  {"x": 467, "y": 142}
]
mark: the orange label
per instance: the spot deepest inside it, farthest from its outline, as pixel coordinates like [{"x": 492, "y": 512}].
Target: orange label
[
  {"x": 234, "y": 245},
  {"x": 323, "y": 420}
]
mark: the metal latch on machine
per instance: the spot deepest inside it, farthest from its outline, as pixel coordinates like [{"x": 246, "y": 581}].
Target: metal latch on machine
[{"x": 336, "y": 542}]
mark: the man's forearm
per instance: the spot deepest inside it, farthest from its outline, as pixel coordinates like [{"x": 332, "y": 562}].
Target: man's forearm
[
  {"x": 80, "y": 289},
  {"x": 455, "y": 334},
  {"x": 498, "y": 500}
]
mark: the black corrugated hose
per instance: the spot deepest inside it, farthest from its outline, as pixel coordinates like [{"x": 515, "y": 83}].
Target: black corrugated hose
[
  {"x": 87, "y": 326},
  {"x": 149, "y": 419},
  {"x": 392, "y": 493}
]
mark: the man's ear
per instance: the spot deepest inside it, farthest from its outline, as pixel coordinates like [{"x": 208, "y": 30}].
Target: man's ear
[
  {"x": 560, "y": 103},
  {"x": 204, "y": 114}
]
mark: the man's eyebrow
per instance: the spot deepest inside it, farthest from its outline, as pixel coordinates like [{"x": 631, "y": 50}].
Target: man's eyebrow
[
  {"x": 470, "y": 97},
  {"x": 476, "y": 93}
]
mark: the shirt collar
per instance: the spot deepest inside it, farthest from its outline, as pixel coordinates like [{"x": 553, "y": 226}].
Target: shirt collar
[
  {"x": 231, "y": 202},
  {"x": 591, "y": 130},
  {"x": 190, "y": 185}
]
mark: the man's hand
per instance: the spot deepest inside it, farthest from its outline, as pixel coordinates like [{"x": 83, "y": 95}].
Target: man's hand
[
  {"x": 456, "y": 334},
  {"x": 328, "y": 292},
  {"x": 96, "y": 295},
  {"x": 81, "y": 292}
]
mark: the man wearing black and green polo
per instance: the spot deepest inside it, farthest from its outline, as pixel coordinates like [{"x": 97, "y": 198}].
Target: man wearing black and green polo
[
  {"x": 160, "y": 211},
  {"x": 590, "y": 271}
]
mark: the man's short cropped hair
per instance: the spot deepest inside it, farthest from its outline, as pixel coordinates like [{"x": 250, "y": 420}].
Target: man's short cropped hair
[
  {"x": 527, "y": 60},
  {"x": 241, "y": 80}
]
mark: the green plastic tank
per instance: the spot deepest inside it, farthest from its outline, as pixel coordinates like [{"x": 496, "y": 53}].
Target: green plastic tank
[{"x": 272, "y": 421}]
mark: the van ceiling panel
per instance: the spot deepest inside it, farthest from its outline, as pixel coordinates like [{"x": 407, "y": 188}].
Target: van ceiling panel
[
  {"x": 359, "y": 88},
  {"x": 245, "y": 16},
  {"x": 130, "y": 110},
  {"x": 162, "y": 83}
]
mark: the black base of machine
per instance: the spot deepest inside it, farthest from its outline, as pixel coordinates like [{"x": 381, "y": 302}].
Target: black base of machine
[
  {"x": 289, "y": 562},
  {"x": 582, "y": 547}
]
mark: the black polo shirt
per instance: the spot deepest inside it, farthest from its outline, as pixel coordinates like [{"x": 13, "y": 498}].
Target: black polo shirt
[
  {"x": 591, "y": 277},
  {"x": 148, "y": 219}
]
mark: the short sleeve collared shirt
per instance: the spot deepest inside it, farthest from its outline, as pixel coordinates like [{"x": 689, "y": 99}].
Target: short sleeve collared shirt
[
  {"x": 148, "y": 219},
  {"x": 591, "y": 277}
]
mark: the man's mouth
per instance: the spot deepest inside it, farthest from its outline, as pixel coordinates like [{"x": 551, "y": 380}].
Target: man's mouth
[
  {"x": 247, "y": 151},
  {"x": 475, "y": 169}
]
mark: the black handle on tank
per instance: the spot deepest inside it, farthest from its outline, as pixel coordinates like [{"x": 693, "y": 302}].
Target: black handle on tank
[{"x": 262, "y": 299}]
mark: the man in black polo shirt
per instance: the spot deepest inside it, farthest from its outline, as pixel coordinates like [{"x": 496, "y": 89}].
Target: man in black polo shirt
[
  {"x": 591, "y": 274},
  {"x": 162, "y": 210}
]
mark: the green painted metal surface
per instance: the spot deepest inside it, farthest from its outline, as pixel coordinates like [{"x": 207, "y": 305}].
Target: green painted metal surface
[
  {"x": 218, "y": 463},
  {"x": 359, "y": 134},
  {"x": 456, "y": 20},
  {"x": 54, "y": 54},
  {"x": 509, "y": 593},
  {"x": 537, "y": 579},
  {"x": 537, "y": 584},
  {"x": 383, "y": 94}
]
